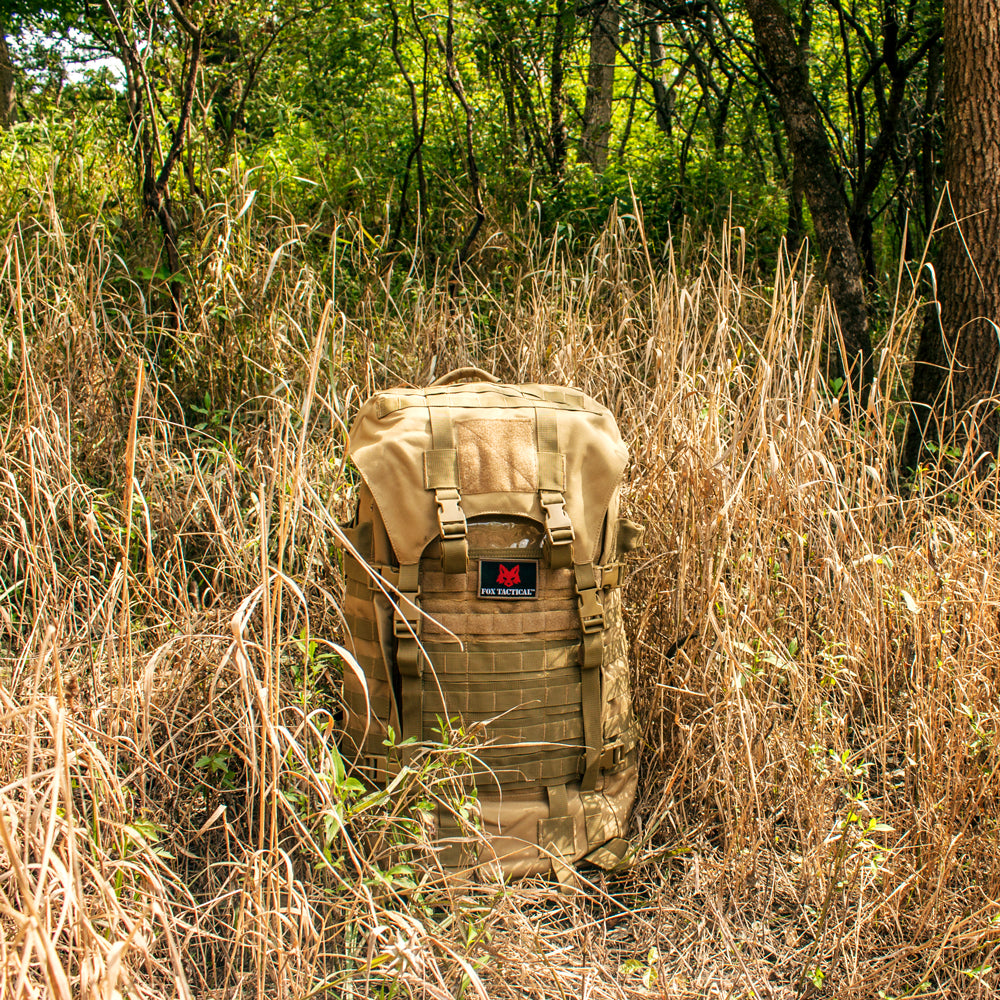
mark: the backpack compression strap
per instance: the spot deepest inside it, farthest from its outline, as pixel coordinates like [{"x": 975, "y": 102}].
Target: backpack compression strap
[
  {"x": 560, "y": 535},
  {"x": 551, "y": 484},
  {"x": 406, "y": 624},
  {"x": 441, "y": 476},
  {"x": 592, "y": 625}
]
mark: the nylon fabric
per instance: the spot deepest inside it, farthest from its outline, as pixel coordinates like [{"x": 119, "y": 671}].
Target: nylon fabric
[
  {"x": 388, "y": 444},
  {"x": 536, "y": 687}
]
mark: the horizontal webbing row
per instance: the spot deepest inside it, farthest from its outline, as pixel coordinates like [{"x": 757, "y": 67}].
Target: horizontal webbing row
[
  {"x": 527, "y": 714},
  {"x": 514, "y": 782},
  {"x": 499, "y": 397},
  {"x": 504, "y": 731},
  {"x": 493, "y": 702},
  {"x": 477, "y": 625},
  {"x": 516, "y": 552},
  {"x": 512, "y": 754},
  {"x": 355, "y": 701},
  {"x": 432, "y": 580},
  {"x": 528, "y": 684},
  {"x": 361, "y": 628},
  {"x": 358, "y": 590},
  {"x": 499, "y": 664},
  {"x": 503, "y": 658},
  {"x": 551, "y": 583},
  {"x": 550, "y": 770}
]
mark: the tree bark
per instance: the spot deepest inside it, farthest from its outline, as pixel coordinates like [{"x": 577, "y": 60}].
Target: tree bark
[
  {"x": 789, "y": 74},
  {"x": 600, "y": 86},
  {"x": 662, "y": 97},
  {"x": 454, "y": 79},
  {"x": 955, "y": 376},
  {"x": 7, "y": 94},
  {"x": 562, "y": 30}
]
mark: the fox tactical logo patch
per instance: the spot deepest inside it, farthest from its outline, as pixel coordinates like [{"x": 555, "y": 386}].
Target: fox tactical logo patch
[{"x": 508, "y": 579}]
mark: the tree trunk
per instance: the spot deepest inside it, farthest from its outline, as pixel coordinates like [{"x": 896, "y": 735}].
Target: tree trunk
[
  {"x": 955, "y": 376},
  {"x": 786, "y": 66},
  {"x": 7, "y": 110},
  {"x": 562, "y": 31},
  {"x": 662, "y": 98},
  {"x": 600, "y": 86}
]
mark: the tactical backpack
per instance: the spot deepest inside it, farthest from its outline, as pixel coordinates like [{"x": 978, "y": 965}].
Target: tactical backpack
[{"x": 482, "y": 590}]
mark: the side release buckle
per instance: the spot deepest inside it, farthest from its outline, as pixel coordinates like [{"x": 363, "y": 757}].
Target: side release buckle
[
  {"x": 591, "y": 610},
  {"x": 451, "y": 517},
  {"x": 558, "y": 529}
]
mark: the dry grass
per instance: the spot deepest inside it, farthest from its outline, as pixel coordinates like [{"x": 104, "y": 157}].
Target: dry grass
[{"x": 819, "y": 808}]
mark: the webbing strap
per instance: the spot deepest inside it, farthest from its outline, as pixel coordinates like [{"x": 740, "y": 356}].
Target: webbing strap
[
  {"x": 591, "y": 658},
  {"x": 409, "y": 659},
  {"x": 610, "y": 854},
  {"x": 453, "y": 852},
  {"x": 380, "y": 768},
  {"x": 557, "y": 835},
  {"x": 551, "y": 484},
  {"x": 617, "y": 752},
  {"x": 441, "y": 476}
]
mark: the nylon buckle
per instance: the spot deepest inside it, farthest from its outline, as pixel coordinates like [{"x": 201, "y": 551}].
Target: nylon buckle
[
  {"x": 610, "y": 576},
  {"x": 403, "y": 625},
  {"x": 612, "y": 756},
  {"x": 558, "y": 526},
  {"x": 591, "y": 611},
  {"x": 451, "y": 517}
]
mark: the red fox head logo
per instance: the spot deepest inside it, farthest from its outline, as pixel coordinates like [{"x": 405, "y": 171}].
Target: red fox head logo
[{"x": 508, "y": 577}]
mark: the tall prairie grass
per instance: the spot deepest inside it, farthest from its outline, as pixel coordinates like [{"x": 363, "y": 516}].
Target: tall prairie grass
[{"x": 815, "y": 643}]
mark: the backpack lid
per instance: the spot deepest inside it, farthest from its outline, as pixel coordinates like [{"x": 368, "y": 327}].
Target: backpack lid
[{"x": 506, "y": 443}]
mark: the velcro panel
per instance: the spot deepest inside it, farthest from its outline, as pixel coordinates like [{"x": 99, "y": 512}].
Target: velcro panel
[{"x": 497, "y": 456}]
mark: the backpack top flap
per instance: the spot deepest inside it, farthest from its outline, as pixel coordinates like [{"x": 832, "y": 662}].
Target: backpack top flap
[{"x": 500, "y": 446}]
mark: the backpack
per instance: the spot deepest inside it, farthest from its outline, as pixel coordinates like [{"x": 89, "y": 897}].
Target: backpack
[{"x": 482, "y": 590}]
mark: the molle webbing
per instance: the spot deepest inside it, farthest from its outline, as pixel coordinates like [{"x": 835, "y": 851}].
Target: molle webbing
[
  {"x": 524, "y": 698},
  {"x": 480, "y": 625}
]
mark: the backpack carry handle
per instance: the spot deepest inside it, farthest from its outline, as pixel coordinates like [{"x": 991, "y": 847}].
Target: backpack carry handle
[{"x": 469, "y": 372}]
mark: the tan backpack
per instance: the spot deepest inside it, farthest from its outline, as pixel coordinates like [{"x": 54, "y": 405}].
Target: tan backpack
[{"x": 482, "y": 590}]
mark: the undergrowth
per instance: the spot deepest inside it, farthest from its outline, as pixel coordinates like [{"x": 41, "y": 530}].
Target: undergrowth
[{"x": 814, "y": 639}]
